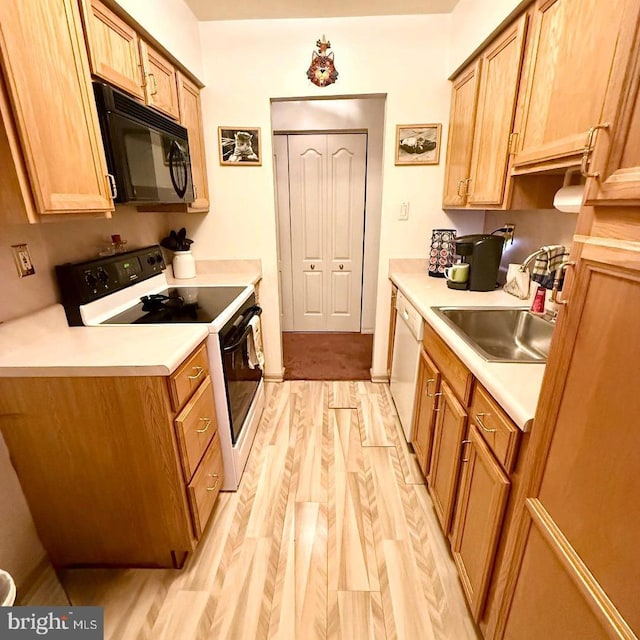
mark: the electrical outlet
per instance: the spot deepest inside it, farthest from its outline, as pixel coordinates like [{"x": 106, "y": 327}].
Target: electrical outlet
[
  {"x": 404, "y": 211},
  {"x": 23, "y": 260},
  {"x": 511, "y": 228}
]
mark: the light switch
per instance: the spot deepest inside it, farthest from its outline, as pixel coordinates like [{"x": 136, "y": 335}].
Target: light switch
[
  {"x": 404, "y": 211},
  {"x": 23, "y": 260}
]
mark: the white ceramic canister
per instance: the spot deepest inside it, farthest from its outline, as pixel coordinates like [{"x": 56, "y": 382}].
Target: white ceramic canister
[{"x": 184, "y": 266}]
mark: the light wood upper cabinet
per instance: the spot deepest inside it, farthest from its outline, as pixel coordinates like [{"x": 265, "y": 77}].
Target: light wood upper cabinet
[
  {"x": 499, "y": 80},
  {"x": 46, "y": 73},
  {"x": 615, "y": 166},
  {"x": 449, "y": 432},
  {"x": 482, "y": 500},
  {"x": 113, "y": 47},
  {"x": 567, "y": 74},
  {"x": 464, "y": 102},
  {"x": 161, "y": 88},
  {"x": 191, "y": 119},
  {"x": 428, "y": 385}
]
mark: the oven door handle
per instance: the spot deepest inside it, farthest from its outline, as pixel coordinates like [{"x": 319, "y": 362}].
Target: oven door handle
[{"x": 237, "y": 343}]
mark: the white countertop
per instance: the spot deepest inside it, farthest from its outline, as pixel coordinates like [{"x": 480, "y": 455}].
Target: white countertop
[
  {"x": 43, "y": 345},
  {"x": 516, "y": 387}
]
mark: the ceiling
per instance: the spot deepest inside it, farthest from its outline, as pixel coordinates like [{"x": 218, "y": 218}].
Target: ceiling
[{"x": 265, "y": 9}]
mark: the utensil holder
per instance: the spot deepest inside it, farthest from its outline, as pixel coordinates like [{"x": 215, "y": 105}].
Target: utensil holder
[{"x": 184, "y": 266}]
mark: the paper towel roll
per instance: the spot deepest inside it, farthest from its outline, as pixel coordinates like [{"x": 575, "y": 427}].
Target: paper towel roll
[{"x": 569, "y": 199}]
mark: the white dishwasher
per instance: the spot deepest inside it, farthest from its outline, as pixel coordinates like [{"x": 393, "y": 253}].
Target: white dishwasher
[{"x": 404, "y": 367}]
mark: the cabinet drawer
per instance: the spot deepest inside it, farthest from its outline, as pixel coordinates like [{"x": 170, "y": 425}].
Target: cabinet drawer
[
  {"x": 496, "y": 428},
  {"x": 195, "y": 427},
  {"x": 205, "y": 486},
  {"x": 186, "y": 379},
  {"x": 451, "y": 367}
]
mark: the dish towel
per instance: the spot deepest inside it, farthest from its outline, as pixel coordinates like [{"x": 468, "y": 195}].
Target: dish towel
[
  {"x": 254, "y": 344},
  {"x": 551, "y": 258}
]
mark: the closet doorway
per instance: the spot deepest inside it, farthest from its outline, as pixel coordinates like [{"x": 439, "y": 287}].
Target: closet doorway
[{"x": 321, "y": 184}]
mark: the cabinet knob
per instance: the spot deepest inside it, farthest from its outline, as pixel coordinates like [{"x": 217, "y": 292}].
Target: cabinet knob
[
  {"x": 341, "y": 267},
  {"x": 313, "y": 266}
]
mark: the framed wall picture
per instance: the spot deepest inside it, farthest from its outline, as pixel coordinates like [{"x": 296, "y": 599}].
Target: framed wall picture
[
  {"x": 240, "y": 146},
  {"x": 418, "y": 144}
]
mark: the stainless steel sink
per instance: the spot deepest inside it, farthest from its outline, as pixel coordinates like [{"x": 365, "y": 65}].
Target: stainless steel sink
[{"x": 501, "y": 334}]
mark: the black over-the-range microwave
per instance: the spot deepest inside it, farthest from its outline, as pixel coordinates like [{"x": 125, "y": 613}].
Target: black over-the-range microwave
[{"x": 147, "y": 153}]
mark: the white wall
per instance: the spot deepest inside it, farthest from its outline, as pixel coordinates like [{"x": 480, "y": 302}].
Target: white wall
[
  {"x": 472, "y": 21},
  {"x": 173, "y": 24},
  {"x": 247, "y": 63}
]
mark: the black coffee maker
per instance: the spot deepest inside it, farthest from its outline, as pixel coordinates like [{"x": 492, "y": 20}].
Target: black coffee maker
[{"x": 483, "y": 252}]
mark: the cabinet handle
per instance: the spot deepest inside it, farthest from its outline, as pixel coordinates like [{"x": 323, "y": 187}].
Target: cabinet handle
[
  {"x": 341, "y": 267},
  {"x": 313, "y": 266},
  {"x": 463, "y": 443},
  {"x": 513, "y": 138},
  {"x": 479, "y": 417},
  {"x": 206, "y": 427},
  {"x": 154, "y": 91},
  {"x": 588, "y": 147},
  {"x": 555, "y": 294},
  {"x": 216, "y": 477},
  {"x": 195, "y": 192},
  {"x": 436, "y": 395},
  {"x": 198, "y": 372},
  {"x": 460, "y": 183},
  {"x": 429, "y": 381},
  {"x": 113, "y": 187},
  {"x": 467, "y": 193}
]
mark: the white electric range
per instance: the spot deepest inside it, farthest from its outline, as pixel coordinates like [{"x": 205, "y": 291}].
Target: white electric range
[{"x": 131, "y": 289}]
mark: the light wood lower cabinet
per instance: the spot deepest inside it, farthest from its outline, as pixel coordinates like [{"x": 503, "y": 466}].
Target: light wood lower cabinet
[
  {"x": 448, "y": 436},
  {"x": 427, "y": 393},
  {"x": 46, "y": 74},
  {"x": 482, "y": 500},
  {"x": 100, "y": 462}
]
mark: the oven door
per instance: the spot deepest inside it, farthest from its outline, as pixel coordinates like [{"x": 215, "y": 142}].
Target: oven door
[{"x": 241, "y": 376}]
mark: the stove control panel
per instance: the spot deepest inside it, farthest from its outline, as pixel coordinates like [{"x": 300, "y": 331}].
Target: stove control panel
[{"x": 85, "y": 282}]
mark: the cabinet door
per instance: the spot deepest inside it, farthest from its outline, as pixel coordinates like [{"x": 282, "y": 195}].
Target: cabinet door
[
  {"x": 573, "y": 46},
  {"x": 464, "y": 101},
  {"x": 114, "y": 53},
  {"x": 450, "y": 427},
  {"x": 191, "y": 119},
  {"x": 482, "y": 500},
  {"x": 583, "y": 494},
  {"x": 616, "y": 155},
  {"x": 427, "y": 392},
  {"x": 47, "y": 76},
  {"x": 161, "y": 88},
  {"x": 499, "y": 81}
]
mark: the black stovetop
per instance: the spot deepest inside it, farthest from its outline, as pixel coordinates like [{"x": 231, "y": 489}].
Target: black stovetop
[{"x": 182, "y": 304}]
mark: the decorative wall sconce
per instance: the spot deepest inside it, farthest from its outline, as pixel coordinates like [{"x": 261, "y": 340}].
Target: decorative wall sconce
[{"x": 322, "y": 71}]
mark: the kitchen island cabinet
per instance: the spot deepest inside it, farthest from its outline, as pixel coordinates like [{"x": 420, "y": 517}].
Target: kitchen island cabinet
[
  {"x": 46, "y": 78},
  {"x": 117, "y": 470}
]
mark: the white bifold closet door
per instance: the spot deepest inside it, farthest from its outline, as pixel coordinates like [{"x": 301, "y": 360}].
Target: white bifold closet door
[{"x": 327, "y": 177}]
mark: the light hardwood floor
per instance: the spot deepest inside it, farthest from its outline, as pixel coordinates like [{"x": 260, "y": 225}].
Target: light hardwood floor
[{"x": 331, "y": 535}]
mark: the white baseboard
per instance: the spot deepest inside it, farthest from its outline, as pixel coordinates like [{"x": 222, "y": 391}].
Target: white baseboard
[{"x": 377, "y": 377}]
